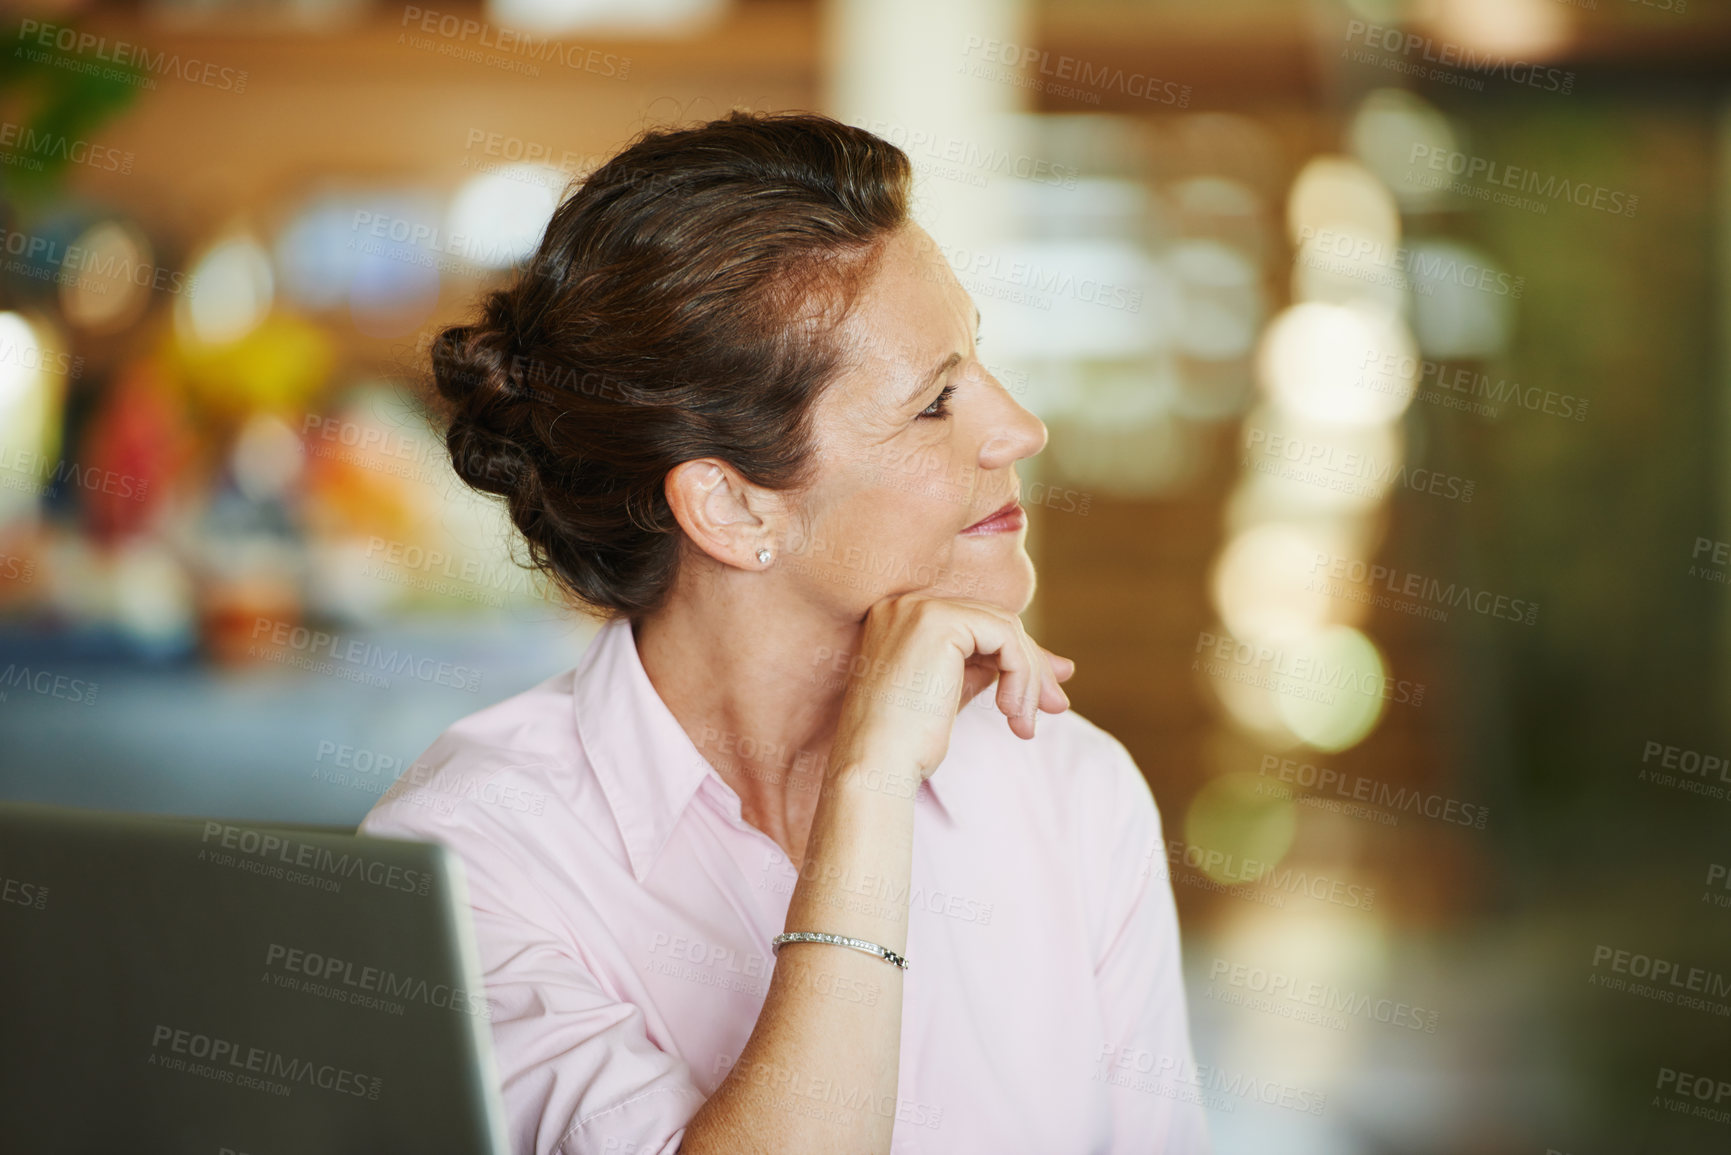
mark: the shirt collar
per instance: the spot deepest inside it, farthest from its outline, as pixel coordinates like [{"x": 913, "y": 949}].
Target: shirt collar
[{"x": 647, "y": 765}]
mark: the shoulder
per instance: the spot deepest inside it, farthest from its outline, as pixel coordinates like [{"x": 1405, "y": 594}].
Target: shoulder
[
  {"x": 1071, "y": 797},
  {"x": 533, "y": 726},
  {"x": 496, "y": 781},
  {"x": 1076, "y": 768}
]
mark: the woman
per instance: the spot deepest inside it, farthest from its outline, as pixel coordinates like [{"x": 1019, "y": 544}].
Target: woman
[{"x": 735, "y": 406}]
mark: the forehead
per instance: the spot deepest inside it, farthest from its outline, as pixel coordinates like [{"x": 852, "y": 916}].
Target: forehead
[{"x": 912, "y": 307}]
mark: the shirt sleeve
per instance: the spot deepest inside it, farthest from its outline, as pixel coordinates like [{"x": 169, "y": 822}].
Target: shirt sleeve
[
  {"x": 578, "y": 1072},
  {"x": 1147, "y": 1060}
]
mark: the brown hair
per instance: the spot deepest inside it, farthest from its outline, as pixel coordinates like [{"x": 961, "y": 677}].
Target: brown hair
[{"x": 681, "y": 305}]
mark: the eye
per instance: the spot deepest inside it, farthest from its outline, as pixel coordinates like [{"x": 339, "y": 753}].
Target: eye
[{"x": 940, "y": 407}]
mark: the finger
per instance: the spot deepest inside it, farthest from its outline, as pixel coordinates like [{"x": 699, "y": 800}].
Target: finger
[
  {"x": 1031, "y": 681},
  {"x": 998, "y": 637},
  {"x": 1043, "y": 692},
  {"x": 1013, "y": 694},
  {"x": 1043, "y": 686},
  {"x": 1053, "y": 700},
  {"x": 1041, "y": 689},
  {"x": 1018, "y": 696},
  {"x": 976, "y": 676},
  {"x": 1038, "y": 675}
]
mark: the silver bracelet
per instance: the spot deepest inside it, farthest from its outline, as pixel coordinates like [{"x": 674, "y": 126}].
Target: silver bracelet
[{"x": 882, "y": 952}]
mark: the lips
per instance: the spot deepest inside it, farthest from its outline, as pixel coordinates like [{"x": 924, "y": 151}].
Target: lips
[{"x": 1005, "y": 518}]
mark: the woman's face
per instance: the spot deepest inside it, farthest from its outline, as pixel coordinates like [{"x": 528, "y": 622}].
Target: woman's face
[{"x": 917, "y": 446}]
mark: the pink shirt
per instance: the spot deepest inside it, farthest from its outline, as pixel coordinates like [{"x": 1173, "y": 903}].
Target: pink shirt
[{"x": 623, "y": 911}]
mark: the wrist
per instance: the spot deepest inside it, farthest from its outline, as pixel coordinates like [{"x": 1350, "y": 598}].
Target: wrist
[{"x": 890, "y": 778}]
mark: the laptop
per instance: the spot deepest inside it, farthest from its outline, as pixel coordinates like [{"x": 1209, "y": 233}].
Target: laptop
[{"x": 202, "y": 987}]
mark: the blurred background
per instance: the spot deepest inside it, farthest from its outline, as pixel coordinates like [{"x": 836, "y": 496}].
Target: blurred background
[{"x": 1383, "y": 348}]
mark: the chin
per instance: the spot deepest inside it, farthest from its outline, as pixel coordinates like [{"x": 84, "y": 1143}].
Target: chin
[{"x": 1009, "y": 585}]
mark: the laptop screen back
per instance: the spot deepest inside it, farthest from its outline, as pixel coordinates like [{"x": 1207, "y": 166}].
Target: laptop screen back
[{"x": 201, "y": 986}]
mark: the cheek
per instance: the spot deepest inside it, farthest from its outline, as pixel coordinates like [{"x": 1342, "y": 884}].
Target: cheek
[
  {"x": 911, "y": 512},
  {"x": 905, "y": 496},
  {"x": 890, "y": 518}
]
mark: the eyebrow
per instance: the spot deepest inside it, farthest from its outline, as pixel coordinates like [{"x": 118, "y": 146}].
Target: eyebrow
[{"x": 936, "y": 374}]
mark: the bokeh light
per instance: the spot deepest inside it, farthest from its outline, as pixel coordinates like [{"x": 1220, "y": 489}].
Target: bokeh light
[
  {"x": 497, "y": 218},
  {"x": 32, "y": 395},
  {"x": 1396, "y": 133},
  {"x": 1337, "y": 194},
  {"x": 1463, "y": 302},
  {"x": 1240, "y": 829},
  {"x": 267, "y": 458},
  {"x": 1338, "y": 365},
  {"x": 1344, "y": 683},
  {"x": 1222, "y": 299},
  {"x": 232, "y": 290},
  {"x": 1272, "y": 580},
  {"x": 317, "y": 253},
  {"x": 1530, "y": 29},
  {"x": 114, "y": 281}
]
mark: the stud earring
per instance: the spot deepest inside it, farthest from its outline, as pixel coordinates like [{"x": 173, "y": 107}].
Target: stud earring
[{"x": 763, "y": 556}]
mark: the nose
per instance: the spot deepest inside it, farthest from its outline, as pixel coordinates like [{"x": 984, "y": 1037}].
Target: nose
[{"x": 1016, "y": 433}]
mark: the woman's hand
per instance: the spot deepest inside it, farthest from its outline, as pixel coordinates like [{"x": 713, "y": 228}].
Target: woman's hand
[{"x": 921, "y": 658}]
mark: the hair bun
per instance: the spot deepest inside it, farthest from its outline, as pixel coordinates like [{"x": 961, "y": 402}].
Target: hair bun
[{"x": 485, "y": 417}]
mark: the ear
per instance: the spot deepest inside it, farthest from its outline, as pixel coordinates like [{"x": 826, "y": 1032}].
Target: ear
[{"x": 722, "y": 514}]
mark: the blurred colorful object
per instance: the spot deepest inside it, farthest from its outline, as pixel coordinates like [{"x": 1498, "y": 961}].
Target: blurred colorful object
[
  {"x": 55, "y": 103},
  {"x": 141, "y": 432},
  {"x": 280, "y": 365},
  {"x": 372, "y": 468}
]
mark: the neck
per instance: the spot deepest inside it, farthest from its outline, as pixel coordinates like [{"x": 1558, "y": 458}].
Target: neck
[{"x": 748, "y": 676}]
